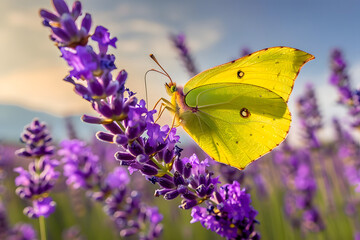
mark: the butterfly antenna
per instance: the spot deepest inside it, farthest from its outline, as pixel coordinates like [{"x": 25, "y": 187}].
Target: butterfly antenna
[
  {"x": 164, "y": 72},
  {"x": 145, "y": 80},
  {"x": 146, "y": 92}
]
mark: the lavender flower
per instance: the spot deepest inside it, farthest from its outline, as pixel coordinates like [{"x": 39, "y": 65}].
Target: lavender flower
[
  {"x": 81, "y": 167},
  {"x": 22, "y": 231},
  {"x": 299, "y": 179},
  {"x": 347, "y": 95},
  {"x": 62, "y": 24},
  {"x": 83, "y": 170},
  {"x": 230, "y": 214},
  {"x": 309, "y": 116},
  {"x": 37, "y": 140},
  {"x": 348, "y": 152},
  {"x": 311, "y": 123},
  {"x": 180, "y": 44},
  {"x": 144, "y": 146},
  {"x": 35, "y": 183}
]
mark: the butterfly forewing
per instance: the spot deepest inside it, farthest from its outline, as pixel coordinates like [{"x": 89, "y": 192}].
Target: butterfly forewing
[
  {"x": 236, "y": 123},
  {"x": 272, "y": 68}
]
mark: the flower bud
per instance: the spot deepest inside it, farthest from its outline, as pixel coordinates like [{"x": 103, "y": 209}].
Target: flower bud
[
  {"x": 187, "y": 204},
  {"x": 91, "y": 119},
  {"x": 178, "y": 179},
  {"x": 201, "y": 190},
  {"x": 135, "y": 148},
  {"x": 171, "y": 195},
  {"x": 120, "y": 139},
  {"x": 166, "y": 183},
  {"x": 142, "y": 158},
  {"x": 179, "y": 165},
  {"x": 113, "y": 127},
  {"x": 149, "y": 170},
  {"x": 187, "y": 170},
  {"x": 123, "y": 156},
  {"x": 105, "y": 137},
  {"x": 168, "y": 155}
]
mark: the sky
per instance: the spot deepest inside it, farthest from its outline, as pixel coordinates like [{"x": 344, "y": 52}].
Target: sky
[{"x": 31, "y": 70}]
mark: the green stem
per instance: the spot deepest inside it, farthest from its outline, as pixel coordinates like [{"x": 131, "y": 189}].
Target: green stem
[{"x": 42, "y": 228}]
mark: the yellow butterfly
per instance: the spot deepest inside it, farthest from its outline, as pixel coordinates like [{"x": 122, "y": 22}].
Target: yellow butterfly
[{"x": 237, "y": 112}]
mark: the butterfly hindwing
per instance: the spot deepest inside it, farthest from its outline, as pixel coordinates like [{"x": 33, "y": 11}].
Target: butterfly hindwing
[
  {"x": 236, "y": 123},
  {"x": 272, "y": 68}
]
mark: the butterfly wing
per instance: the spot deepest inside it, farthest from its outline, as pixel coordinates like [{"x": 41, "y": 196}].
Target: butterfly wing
[
  {"x": 236, "y": 123},
  {"x": 273, "y": 68}
]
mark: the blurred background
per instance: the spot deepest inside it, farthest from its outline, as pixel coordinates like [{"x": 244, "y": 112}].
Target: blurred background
[{"x": 31, "y": 73}]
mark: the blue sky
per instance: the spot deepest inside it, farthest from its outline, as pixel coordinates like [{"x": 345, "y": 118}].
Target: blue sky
[{"x": 31, "y": 70}]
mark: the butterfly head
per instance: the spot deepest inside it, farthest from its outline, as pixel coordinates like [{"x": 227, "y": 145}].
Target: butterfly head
[{"x": 171, "y": 88}]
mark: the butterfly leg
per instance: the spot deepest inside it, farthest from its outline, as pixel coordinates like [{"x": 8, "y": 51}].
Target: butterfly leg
[
  {"x": 172, "y": 126},
  {"x": 161, "y": 110},
  {"x": 165, "y": 101},
  {"x": 165, "y": 104}
]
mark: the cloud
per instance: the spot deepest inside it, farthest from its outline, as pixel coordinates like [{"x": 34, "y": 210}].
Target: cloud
[
  {"x": 144, "y": 26},
  {"x": 28, "y": 19},
  {"x": 129, "y": 9},
  {"x": 43, "y": 90},
  {"x": 203, "y": 34}
]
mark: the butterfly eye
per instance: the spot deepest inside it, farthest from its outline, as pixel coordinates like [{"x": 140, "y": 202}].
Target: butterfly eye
[
  {"x": 245, "y": 113},
  {"x": 240, "y": 74},
  {"x": 173, "y": 89}
]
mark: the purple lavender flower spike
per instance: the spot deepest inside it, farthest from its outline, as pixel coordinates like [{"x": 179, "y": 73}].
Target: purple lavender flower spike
[
  {"x": 22, "y": 231},
  {"x": 348, "y": 152},
  {"x": 348, "y": 96},
  {"x": 81, "y": 167},
  {"x": 233, "y": 217},
  {"x": 35, "y": 183},
  {"x": 65, "y": 32},
  {"x": 179, "y": 43},
  {"x": 38, "y": 180},
  {"x": 311, "y": 123},
  {"x": 309, "y": 115},
  {"x": 297, "y": 174},
  {"x": 41, "y": 207},
  {"x": 83, "y": 170},
  {"x": 37, "y": 140}
]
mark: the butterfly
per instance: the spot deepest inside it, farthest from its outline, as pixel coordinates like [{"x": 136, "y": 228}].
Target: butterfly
[{"x": 237, "y": 112}]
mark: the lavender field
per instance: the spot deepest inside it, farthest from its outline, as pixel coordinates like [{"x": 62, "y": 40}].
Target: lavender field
[{"x": 137, "y": 178}]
